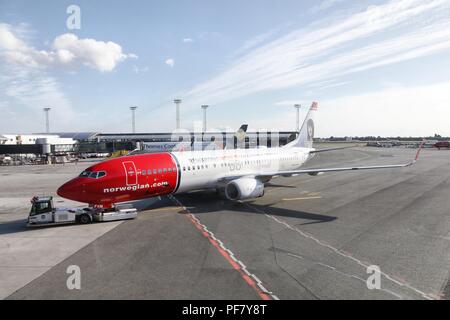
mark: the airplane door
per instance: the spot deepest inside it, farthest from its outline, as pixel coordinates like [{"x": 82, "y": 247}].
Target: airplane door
[{"x": 130, "y": 173}]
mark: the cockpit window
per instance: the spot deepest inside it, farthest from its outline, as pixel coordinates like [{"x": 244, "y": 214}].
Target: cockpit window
[
  {"x": 93, "y": 174},
  {"x": 101, "y": 174},
  {"x": 85, "y": 174}
]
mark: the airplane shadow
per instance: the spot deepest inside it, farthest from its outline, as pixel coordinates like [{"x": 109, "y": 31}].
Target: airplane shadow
[
  {"x": 199, "y": 202},
  {"x": 148, "y": 204},
  {"x": 14, "y": 226},
  {"x": 203, "y": 202},
  {"x": 275, "y": 185},
  {"x": 20, "y": 225}
]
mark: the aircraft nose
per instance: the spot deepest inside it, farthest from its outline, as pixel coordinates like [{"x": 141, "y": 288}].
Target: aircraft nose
[{"x": 70, "y": 190}]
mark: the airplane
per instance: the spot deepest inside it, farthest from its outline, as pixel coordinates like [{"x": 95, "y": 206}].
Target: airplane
[
  {"x": 442, "y": 144},
  {"x": 237, "y": 174}
]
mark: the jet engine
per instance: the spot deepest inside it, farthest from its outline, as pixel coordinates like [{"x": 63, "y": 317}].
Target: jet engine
[{"x": 244, "y": 188}]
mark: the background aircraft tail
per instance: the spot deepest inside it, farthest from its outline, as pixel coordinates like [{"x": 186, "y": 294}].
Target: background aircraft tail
[
  {"x": 306, "y": 133},
  {"x": 243, "y": 128}
]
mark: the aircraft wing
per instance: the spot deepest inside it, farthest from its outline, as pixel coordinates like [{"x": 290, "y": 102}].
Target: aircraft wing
[
  {"x": 315, "y": 171},
  {"x": 331, "y": 149},
  {"x": 320, "y": 170}
]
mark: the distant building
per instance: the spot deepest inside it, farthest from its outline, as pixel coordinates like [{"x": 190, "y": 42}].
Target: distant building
[
  {"x": 82, "y": 143},
  {"x": 10, "y": 139},
  {"x": 250, "y": 139},
  {"x": 37, "y": 144}
]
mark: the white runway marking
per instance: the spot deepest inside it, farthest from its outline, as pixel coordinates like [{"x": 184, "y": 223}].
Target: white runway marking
[
  {"x": 302, "y": 198},
  {"x": 344, "y": 274},
  {"x": 341, "y": 253}
]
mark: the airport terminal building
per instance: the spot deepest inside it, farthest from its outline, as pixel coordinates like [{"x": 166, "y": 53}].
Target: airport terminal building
[{"x": 61, "y": 144}]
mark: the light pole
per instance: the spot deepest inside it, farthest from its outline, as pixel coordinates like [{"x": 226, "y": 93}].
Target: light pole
[
  {"x": 47, "y": 122},
  {"x": 298, "y": 106},
  {"x": 177, "y": 104},
  {"x": 204, "y": 107},
  {"x": 133, "y": 123}
]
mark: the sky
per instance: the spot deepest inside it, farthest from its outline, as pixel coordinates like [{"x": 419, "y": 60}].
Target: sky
[{"x": 378, "y": 68}]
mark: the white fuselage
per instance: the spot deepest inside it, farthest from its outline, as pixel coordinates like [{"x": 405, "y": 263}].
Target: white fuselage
[{"x": 205, "y": 169}]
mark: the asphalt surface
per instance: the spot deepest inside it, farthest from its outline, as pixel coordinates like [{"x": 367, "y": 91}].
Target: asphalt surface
[
  {"x": 307, "y": 238},
  {"x": 27, "y": 253}
]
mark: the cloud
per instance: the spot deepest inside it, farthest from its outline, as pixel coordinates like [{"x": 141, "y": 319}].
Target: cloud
[
  {"x": 66, "y": 49},
  {"x": 25, "y": 85},
  {"x": 255, "y": 41},
  {"x": 138, "y": 70},
  {"x": 327, "y": 51},
  {"x": 170, "y": 62},
  {"x": 325, "y": 5},
  {"x": 8, "y": 41},
  {"x": 24, "y": 92},
  {"x": 395, "y": 111},
  {"x": 100, "y": 55},
  {"x": 187, "y": 40}
]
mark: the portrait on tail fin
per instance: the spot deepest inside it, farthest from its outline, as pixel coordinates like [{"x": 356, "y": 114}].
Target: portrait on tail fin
[
  {"x": 310, "y": 130},
  {"x": 306, "y": 133}
]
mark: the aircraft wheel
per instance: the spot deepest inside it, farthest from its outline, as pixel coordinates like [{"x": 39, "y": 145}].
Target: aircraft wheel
[{"x": 84, "y": 219}]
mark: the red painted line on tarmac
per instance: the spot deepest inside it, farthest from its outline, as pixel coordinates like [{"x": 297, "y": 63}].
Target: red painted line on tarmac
[{"x": 226, "y": 254}]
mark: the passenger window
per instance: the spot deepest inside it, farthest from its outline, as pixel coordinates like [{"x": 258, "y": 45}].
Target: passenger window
[
  {"x": 143, "y": 172},
  {"x": 189, "y": 168},
  {"x": 174, "y": 169},
  {"x": 159, "y": 170},
  {"x": 93, "y": 175},
  {"x": 170, "y": 169},
  {"x": 154, "y": 171},
  {"x": 149, "y": 171},
  {"x": 165, "y": 170},
  {"x": 184, "y": 168}
]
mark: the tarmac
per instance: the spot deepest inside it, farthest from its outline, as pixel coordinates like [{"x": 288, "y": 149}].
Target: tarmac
[{"x": 308, "y": 237}]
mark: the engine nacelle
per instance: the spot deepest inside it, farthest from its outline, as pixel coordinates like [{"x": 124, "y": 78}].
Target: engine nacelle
[{"x": 244, "y": 188}]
